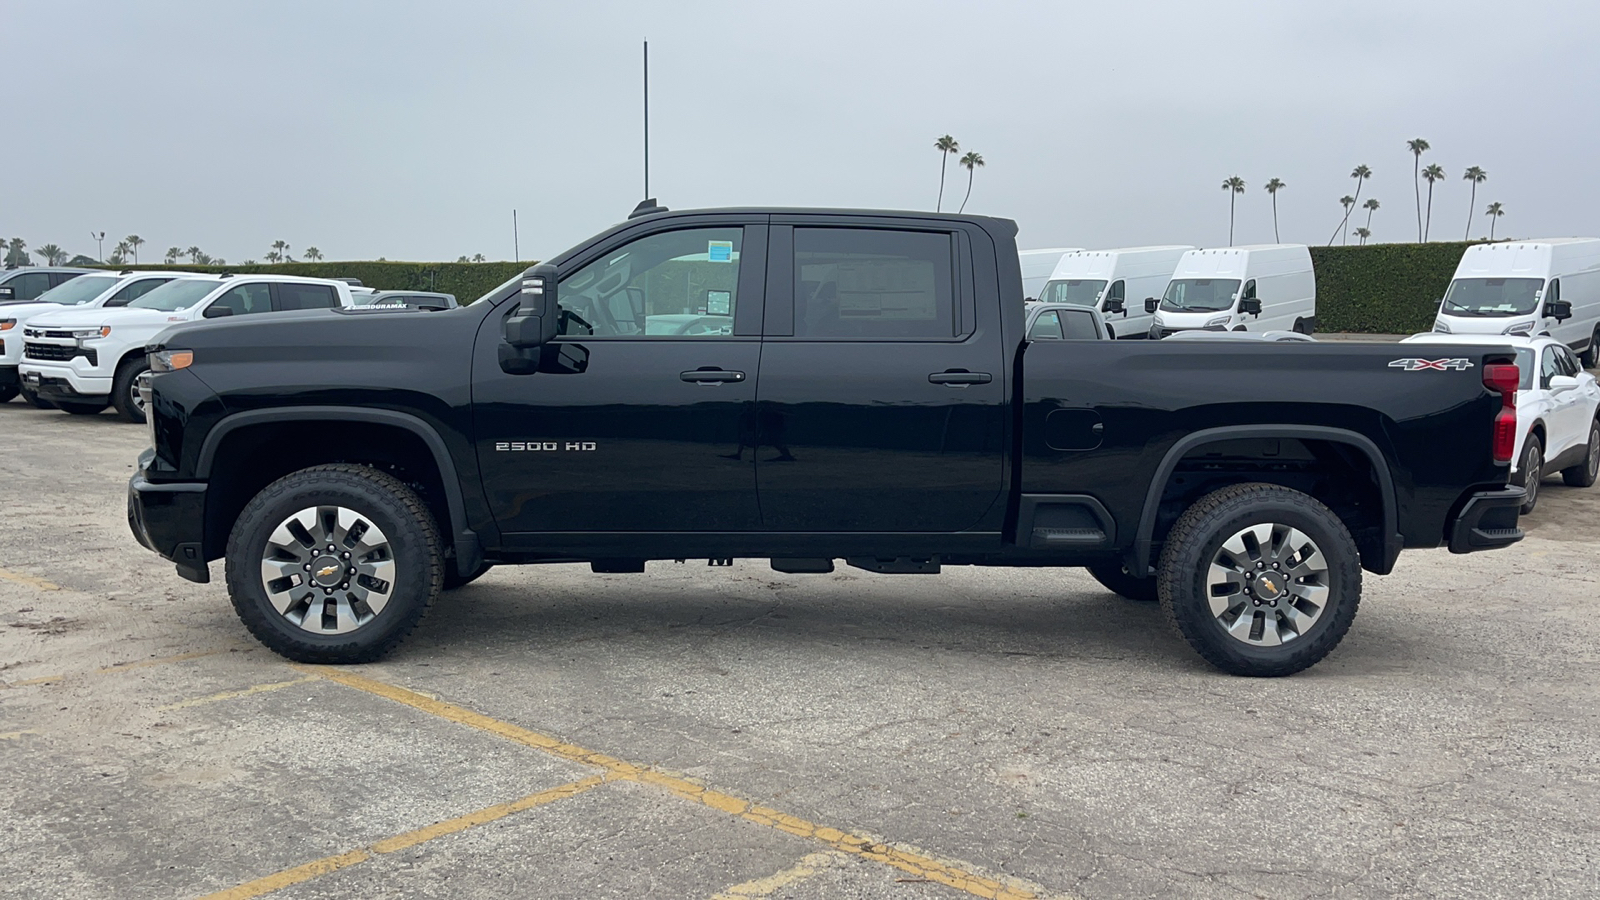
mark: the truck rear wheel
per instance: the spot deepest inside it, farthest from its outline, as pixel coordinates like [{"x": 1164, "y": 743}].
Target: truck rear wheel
[
  {"x": 1118, "y": 580},
  {"x": 1260, "y": 580},
  {"x": 334, "y": 564}
]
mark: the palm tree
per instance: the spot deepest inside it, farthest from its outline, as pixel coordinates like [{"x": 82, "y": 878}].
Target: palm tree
[
  {"x": 478, "y": 258},
  {"x": 121, "y": 251},
  {"x": 194, "y": 255},
  {"x": 313, "y": 254},
  {"x": 1348, "y": 202},
  {"x": 202, "y": 259},
  {"x": 972, "y": 162},
  {"x": 17, "y": 253},
  {"x": 1494, "y": 212},
  {"x": 1371, "y": 206},
  {"x": 1360, "y": 174},
  {"x": 172, "y": 255},
  {"x": 1363, "y": 234},
  {"x": 218, "y": 261},
  {"x": 945, "y": 145},
  {"x": 1417, "y": 148},
  {"x": 1234, "y": 186},
  {"x": 52, "y": 254},
  {"x": 1477, "y": 176},
  {"x": 1273, "y": 187},
  {"x": 1432, "y": 173},
  {"x": 134, "y": 242},
  {"x": 281, "y": 251}
]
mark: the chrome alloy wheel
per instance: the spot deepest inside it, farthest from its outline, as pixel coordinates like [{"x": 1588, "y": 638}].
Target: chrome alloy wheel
[
  {"x": 1268, "y": 584},
  {"x": 328, "y": 570}
]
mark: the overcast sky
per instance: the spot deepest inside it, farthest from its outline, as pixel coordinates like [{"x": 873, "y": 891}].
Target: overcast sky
[{"x": 411, "y": 130}]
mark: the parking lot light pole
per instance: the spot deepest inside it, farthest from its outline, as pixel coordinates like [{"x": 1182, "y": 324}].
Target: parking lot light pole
[{"x": 100, "y": 246}]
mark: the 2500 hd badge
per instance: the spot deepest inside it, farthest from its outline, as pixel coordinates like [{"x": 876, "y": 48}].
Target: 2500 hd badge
[{"x": 544, "y": 446}]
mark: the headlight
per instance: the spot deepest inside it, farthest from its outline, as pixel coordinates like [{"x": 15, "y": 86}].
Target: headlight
[
  {"x": 1439, "y": 327},
  {"x": 1218, "y": 320},
  {"x": 89, "y": 334},
  {"x": 7, "y": 324},
  {"x": 171, "y": 360},
  {"x": 1523, "y": 328}
]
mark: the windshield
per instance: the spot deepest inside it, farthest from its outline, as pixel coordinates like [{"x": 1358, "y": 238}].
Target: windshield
[
  {"x": 1199, "y": 294},
  {"x": 1491, "y": 296},
  {"x": 176, "y": 295},
  {"x": 1076, "y": 291},
  {"x": 79, "y": 290}
]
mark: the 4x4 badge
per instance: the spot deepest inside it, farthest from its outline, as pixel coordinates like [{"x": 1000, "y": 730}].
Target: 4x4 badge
[{"x": 1431, "y": 365}]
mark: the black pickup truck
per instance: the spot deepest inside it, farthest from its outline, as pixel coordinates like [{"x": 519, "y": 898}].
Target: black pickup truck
[{"x": 805, "y": 386}]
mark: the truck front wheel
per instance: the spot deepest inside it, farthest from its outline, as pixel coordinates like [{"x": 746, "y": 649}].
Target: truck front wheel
[
  {"x": 1260, "y": 580},
  {"x": 334, "y": 564}
]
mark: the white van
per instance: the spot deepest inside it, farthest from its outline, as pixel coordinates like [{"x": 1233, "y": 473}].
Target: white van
[
  {"x": 1264, "y": 287},
  {"x": 1111, "y": 280},
  {"x": 1530, "y": 288},
  {"x": 1037, "y": 266}
]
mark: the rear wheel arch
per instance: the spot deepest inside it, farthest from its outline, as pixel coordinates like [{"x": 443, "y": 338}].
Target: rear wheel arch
[
  {"x": 405, "y": 445},
  {"x": 1376, "y": 555}
]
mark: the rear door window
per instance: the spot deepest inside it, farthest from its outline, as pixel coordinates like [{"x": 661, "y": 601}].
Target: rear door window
[
  {"x": 872, "y": 283},
  {"x": 242, "y": 300},
  {"x": 306, "y": 296},
  {"x": 29, "y": 285},
  {"x": 1079, "y": 325},
  {"x": 1046, "y": 327}
]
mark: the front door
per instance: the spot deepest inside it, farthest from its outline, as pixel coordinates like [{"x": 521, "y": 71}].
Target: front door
[
  {"x": 637, "y": 418},
  {"x": 881, "y": 392}
]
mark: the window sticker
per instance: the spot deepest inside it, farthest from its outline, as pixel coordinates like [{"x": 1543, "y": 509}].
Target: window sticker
[
  {"x": 719, "y": 303},
  {"x": 719, "y": 251}
]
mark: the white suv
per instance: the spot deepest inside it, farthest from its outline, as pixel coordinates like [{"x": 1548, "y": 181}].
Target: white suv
[
  {"x": 96, "y": 290},
  {"x": 85, "y": 360}
]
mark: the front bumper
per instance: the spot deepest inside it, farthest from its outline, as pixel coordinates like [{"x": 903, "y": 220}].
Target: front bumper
[
  {"x": 61, "y": 383},
  {"x": 170, "y": 519},
  {"x": 1488, "y": 521}
]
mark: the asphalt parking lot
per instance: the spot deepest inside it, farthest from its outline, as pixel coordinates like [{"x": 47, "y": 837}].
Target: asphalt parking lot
[{"x": 736, "y": 732}]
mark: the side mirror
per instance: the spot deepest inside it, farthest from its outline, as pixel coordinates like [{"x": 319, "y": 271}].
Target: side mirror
[
  {"x": 1560, "y": 310},
  {"x": 1114, "y": 305},
  {"x": 538, "y": 318},
  {"x": 217, "y": 312},
  {"x": 1150, "y": 304},
  {"x": 1559, "y": 383},
  {"x": 1250, "y": 306}
]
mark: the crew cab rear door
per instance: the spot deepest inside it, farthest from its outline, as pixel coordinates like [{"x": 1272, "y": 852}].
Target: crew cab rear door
[{"x": 882, "y": 391}]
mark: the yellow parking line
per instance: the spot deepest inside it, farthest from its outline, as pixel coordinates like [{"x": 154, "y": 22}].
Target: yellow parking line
[
  {"x": 229, "y": 695},
  {"x": 114, "y": 669},
  {"x": 28, "y": 580},
  {"x": 808, "y": 866},
  {"x": 959, "y": 875},
  {"x": 280, "y": 880},
  {"x": 13, "y": 735}
]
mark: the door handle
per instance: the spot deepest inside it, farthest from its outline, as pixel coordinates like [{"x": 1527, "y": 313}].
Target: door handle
[
  {"x": 710, "y": 375},
  {"x": 960, "y": 377}
]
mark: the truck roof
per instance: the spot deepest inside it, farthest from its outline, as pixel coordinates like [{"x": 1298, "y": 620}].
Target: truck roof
[{"x": 1540, "y": 258}]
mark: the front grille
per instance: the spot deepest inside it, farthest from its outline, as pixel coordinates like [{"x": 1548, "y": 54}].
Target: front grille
[
  {"x": 58, "y": 353},
  {"x": 40, "y": 332}
]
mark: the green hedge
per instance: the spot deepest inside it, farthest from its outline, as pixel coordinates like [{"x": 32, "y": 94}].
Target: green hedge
[
  {"x": 1377, "y": 289},
  {"x": 1382, "y": 288},
  {"x": 467, "y": 281}
]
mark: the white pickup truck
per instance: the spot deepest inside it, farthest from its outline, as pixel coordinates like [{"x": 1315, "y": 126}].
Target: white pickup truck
[
  {"x": 83, "y": 360},
  {"x": 94, "y": 290}
]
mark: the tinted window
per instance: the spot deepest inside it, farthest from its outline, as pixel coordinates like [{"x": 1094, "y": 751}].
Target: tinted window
[
  {"x": 134, "y": 290},
  {"x": 242, "y": 300},
  {"x": 1079, "y": 326},
  {"x": 1569, "y": 363},
  {"x": 672, "y": 284},
  {"x": 60, "y": 278},
  {"x": 1119, "y": 291},
  {"x": 852, "y": 282},
  {"x": 1549, "y": 367},
  {"x": 1047, "y": 327},
  {"x": 307, "y": 296},
  {"x": 29, "y": 285}
]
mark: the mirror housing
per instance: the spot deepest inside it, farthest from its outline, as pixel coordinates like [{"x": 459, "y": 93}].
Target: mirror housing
[
  {"x": 1115, "y": 305},
  {"x": 217, "y": 312},
  {"x": 1250, "y": 306},
  {"x": 537, "y": 319},
  {"x": 1559, "y": 383},
  {"x": 1150, "y": 304},
  {"x": 1560, "y": 310}
]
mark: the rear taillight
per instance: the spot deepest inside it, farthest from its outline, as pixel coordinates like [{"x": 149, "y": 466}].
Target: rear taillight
[{"x": 1504, "y": 379}]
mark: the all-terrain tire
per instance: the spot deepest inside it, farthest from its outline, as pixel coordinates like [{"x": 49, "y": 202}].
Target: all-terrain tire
[
  {"x": 1194, "y": 544},
  {"x": 1118, "y": 580},
  {"x": 123, "y": 387},
  {"x": 1583, "y": 474},
  {"x": 392, "y": 507}
]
